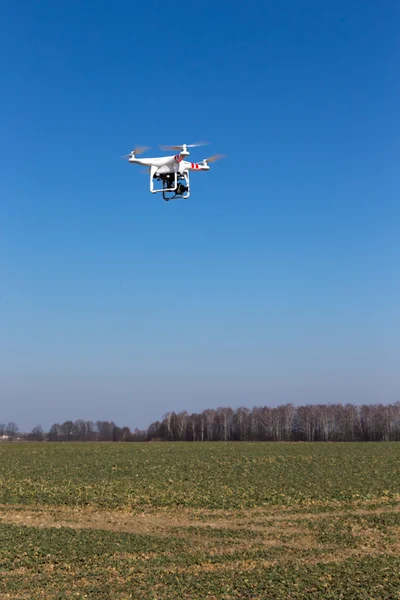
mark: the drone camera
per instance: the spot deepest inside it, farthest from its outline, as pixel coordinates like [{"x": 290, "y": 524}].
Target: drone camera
[{"x": 181, "y": 189}]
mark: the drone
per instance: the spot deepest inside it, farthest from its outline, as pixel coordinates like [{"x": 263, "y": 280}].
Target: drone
[{"x": 171, "y": 171}]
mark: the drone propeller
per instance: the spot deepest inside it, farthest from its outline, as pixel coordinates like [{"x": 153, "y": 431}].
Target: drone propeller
[
  {"x": 183, "y": 145},
  {"x": 213, "y": 158},
  {"x": 138, "y": 150}
]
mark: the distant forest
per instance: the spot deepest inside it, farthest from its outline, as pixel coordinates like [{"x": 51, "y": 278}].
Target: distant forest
[{"x": 286, "y": 423}]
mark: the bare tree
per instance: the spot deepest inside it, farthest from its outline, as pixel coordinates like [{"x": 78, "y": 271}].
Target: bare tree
[
  {"x": 79, "y": 430},
  {"x": 37, "y": 434},
  {"x": 264, "y": 422},
  {"x": 154, "y": 431},
  {"x": 350, "y": 422},
  {"x": 287, "y": 412},
  {"x": 225, "y": 421},
  {"x": 11, "y": 430},
  {"x": 192, "y": 428},
  {"x": 202, "y": 421},
  {"x": 306, "y": 422},
  {"x": 116, "y": 435},
  {"x": 67, "y": 429},
  {"x": 167, "y": 426},
  {"x": 105, "y": 430},
  {"x": 276, "y": 425},
  {"x": 241, "y": 423},
  {"x": 126, "y": 434},
  {"x": 394, "y": 420},
  {"x": 55, "y": 433},
  {"x": 209, "y": 415},
  {"x": 181, "y": 420}
]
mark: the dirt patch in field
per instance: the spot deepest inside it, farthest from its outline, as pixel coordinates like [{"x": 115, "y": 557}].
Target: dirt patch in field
[
  {"x": 288, "y": 533},
  {"x": 268, "y": 521},
  {"x": 88, "y": 519}
]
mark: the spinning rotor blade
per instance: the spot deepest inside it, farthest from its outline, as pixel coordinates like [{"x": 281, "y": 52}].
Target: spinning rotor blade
[
  {"x": 182, "y": 145},
  {"x": 138, "y": 150},
  {"x": 215, "y": 157}
]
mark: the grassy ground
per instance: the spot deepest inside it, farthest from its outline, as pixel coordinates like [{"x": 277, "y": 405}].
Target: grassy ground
[{"x": 215, "y": 521}]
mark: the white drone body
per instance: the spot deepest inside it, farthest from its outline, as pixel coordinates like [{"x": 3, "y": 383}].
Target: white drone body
[{"x": 171, "y": 171}]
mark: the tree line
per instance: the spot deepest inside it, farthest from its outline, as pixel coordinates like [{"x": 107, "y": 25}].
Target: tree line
[{"x": 310, "y": 423}]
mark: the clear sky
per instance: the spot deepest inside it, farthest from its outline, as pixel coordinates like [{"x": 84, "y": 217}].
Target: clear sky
[{"x": 277, "y": 281}]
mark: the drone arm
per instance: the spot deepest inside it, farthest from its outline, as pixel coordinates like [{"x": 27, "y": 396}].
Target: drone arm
[{"x": 203, "y": 166}]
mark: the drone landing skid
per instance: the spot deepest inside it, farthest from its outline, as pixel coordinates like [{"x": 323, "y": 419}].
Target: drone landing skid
[{"x": 172, "y": 186}]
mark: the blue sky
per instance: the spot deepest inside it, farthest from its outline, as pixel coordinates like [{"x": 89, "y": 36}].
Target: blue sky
[{"x": 277, "y": 281}]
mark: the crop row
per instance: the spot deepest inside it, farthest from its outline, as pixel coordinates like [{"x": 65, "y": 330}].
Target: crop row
[{"x": 212, "y": 475}]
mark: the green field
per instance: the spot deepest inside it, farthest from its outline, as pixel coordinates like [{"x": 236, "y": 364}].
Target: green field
[{"x": 187, "y": 520}]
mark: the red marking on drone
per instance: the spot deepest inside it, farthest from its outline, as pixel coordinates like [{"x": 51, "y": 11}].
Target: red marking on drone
[
  {"x": 195, "y": 166},
  {"x": 178, "y": 158}
]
